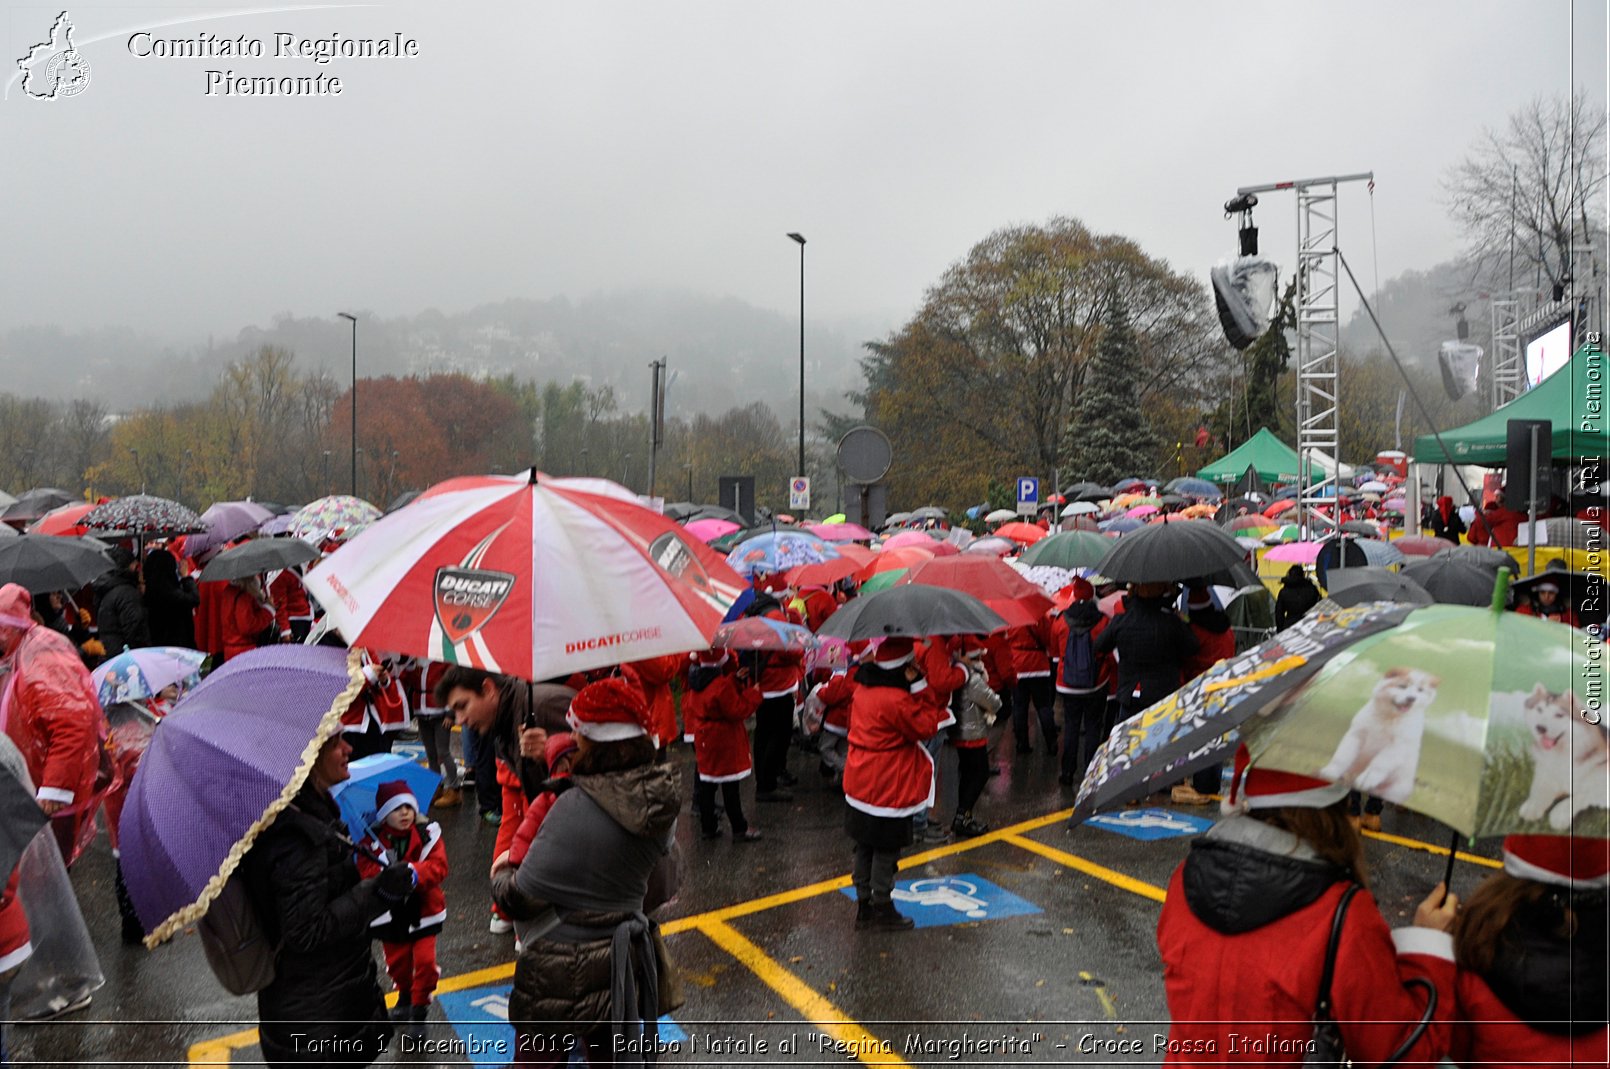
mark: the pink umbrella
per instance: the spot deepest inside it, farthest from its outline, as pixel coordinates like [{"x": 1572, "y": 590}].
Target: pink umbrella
[
  {"x": 709, "y": 530},
  {"x": 840, "y": 532},
  {"x": 1140, "y": 512},
  {"x": 998, "y": 547},
  {"x": 910, "y": 538},
  {"x": 946, "y": 549},
  {"x": 1295, "y": 552}
]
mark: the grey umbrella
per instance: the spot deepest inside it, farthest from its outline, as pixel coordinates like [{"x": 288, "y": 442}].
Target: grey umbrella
[
  {"x": 42, "y": 563},
  {"x": 257, "y": 556},
  {"x": 1482, "y": 557},
  {"x": 1354, "y": 586},
  {"x": 929, "y": 512},
  {"x": 1169, "y": 552},
  {"x": 1452, "y": 581},
  {"x": 35, "y": 503},
  {"x": 913, "y": 611}
]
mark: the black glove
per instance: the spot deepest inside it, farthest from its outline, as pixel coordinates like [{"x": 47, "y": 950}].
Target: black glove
[{"x": 396, "y": 882}]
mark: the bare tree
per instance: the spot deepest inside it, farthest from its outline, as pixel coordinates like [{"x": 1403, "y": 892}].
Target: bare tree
[{"x": 1545, "y": 171}]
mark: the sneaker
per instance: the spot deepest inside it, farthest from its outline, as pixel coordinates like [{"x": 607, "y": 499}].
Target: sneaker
[
  {"x": 748, "y": 835},
  {"x": 1370, "y": 822},
  {"x": 499, "y": 926},
  {"x": 61, "y": 1005},
  {"x": 966, "y": 826},
  {"x": 933, "y": 833},
  {"x": 492, "y": 817},
  {"x": 1185, "y": 794}
]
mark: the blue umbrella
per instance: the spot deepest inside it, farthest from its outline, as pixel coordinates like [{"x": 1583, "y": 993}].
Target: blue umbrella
[
  {"x": 356, "y": 795},
  {"x": 220, "y": 768},
  {"x": 778, "y": 551},
  {"x": 135, "y": 675},
  {"x": 1122, "y": 524},
  {"x": 1193, "y": 487}
]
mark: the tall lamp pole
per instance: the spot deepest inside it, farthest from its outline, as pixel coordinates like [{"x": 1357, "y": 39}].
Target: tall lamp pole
[
  {"x": 354, "y": 321},
  {"x": 800, "y": 238}
]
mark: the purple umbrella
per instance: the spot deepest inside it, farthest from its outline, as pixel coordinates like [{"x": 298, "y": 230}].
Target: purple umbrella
[
  {"x": 219, "y": 769},
  {"x": 227, "y": 521}
]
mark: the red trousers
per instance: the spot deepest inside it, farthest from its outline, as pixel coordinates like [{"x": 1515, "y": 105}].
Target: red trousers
[{"x": 413, "y": 969}]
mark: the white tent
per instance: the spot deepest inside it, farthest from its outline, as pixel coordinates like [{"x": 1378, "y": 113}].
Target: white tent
[{"x": 1322, "y": 460}]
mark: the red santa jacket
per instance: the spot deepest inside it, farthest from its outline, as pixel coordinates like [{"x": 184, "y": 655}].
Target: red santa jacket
[
  {"x": 998, "y": 660},
  {"x": 531, "y": 821},
  {"x": 819, "y": 606},
  {"x": 937, "y": 661},
  {"x": 385, "y": 705},
  {"x": 718, "y": 712},
  {"x": 211, "y": 614},
  {"x": 49, "y": 708},
  {"x": 837, "y": 694},
  {"x": 14, "y": 945},
  {"x": 1212, "y": 647},
  {"x": 1489, "y": 1034},
  {"x": 1030, "y": 649},
  {"x": 419, "y": 678},
  {"x": 244, "y": 620},
  {"x": 426, "y": 854},
  {"x": 782, "y": 673},
  {"x": 290, "y": 600},
  {"x": 654, "y": 675},
  {"x": 888, "y": 772}
]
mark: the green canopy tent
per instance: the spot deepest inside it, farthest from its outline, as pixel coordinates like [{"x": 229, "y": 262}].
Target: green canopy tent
[
  {"x": 1272, "y": 459},
  {"x": 1573, "y": 399}
]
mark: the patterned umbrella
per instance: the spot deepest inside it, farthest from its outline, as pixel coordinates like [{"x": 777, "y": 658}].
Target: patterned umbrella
[
  {"x": 143, "y": 514},
  {"x": 1048, "y": 577},
  {"x": 778, "y": 551},
  {"x": 221, "y": 767},
  {"x": 135, "y": 675},
  {"x": 339, "y": 516},
  {"x": 760, "y": 633}
]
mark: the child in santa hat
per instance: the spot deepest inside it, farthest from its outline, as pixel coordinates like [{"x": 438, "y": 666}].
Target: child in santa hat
[
  {"x": 558, "y": 753},
  {"x": 720, "y": 698},
  {"x": 408, "y": 932},
  {"x": 1530, "y": 945}
]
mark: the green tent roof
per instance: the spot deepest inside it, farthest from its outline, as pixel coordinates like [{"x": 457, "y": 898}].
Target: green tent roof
[
  {"x": 1272, "y": 459},
  {"x": 1573, "y": 399}
]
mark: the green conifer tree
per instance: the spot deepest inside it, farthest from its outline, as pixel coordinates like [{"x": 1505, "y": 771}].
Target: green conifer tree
[{"x": 1109, "y": 436}]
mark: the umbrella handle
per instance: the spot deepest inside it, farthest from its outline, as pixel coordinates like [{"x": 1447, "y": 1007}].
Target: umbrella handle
[
  {"x": 1447, "y": 874},
  {"x": 346, "y": 841}
]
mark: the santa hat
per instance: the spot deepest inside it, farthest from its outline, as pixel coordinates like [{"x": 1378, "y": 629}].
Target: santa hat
[
  {"x": 774, "y": 584},
  {"x": 1562, "y": 860},
  {"x": 1267, "y": 788},
  {"x": 391, "y": 796},
  {"x": 713, "y": 657},
  {"x": 1199, "y": 597},
  {"x": 894, "y": 652},
  {"x": 16, "y": 607},
  {"x": 610, "y": 710},
  {"x": 560, "y": 745}
]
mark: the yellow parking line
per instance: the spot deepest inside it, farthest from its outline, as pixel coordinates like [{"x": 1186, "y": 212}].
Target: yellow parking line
[
  {"x": 1090, "y": 868},
  {"x": 1433, "y": 848},
  {"x": 822, "y": 1014}
]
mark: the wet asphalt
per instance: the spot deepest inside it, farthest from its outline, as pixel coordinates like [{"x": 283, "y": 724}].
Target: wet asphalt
[{"x": 1024, "y": 959}]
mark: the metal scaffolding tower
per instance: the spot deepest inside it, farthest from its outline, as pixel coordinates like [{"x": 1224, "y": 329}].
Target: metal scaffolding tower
[
  {"x": 1508, "y": 364},
  {"x": 1318, "y": 326}
]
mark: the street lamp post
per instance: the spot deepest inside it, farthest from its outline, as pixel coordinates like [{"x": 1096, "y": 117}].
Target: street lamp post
[
  {"x": 800, "y": 238},
  {"x": 354, "y": 321}
]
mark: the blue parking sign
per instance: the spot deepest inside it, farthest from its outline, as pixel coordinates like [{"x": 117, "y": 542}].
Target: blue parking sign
[
  {"x": 938, "y": 901},
  {"x": 480, "y": 1016},
  {"x": 1028, "y": 495},
  {"x": 1150, "y": 823}
]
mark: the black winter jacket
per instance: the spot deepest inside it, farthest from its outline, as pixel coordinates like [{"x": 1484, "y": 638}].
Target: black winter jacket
[
  {"x": 1296, "y": 597},
  {"x": 120, "y": 617},
  {"x": 305, "y": 887},
  {"x": 170, "y": 602},
  {"x": 1152, "y": 643},
  {"x": 1236, "y": 886},
  {"x": 1541, "y": 977}
]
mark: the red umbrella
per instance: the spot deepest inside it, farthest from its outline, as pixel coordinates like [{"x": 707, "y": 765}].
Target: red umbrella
[
  {"x": 944, "y": 549},
  {"x": 989, "y": 579},
  {"x": 890, "y": 559},
  {"x": 64, "y": 521},
  {"x": 824, "y": 573},
  {"x": 910, "y": 538},
  {"x": 1420, "y": 545},
  {"x": 1280, "y": 506},
  {"x": 1024, "y": 533},
  {"x": 859, "y": 554}
]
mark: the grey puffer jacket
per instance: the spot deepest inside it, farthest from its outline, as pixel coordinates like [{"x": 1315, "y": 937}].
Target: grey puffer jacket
[
  {"x": 591, "y": 864},
  {"x": 974, "y": 704}
]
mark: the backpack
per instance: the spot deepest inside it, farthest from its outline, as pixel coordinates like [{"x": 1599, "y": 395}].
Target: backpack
[
  {"x": 237, "y": 946},
  {"x": 1079, "y": 668}
]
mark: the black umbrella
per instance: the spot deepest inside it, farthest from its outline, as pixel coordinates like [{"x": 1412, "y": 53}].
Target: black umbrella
[
  {"x": 1482, "y": 557},
  {"x": 1169, "y": 552},
  {"x": 256, "y": 557},
  {"x": 716, "y": 512},
  {"x": 1452, "y": 581},
  {"x": 402, "y": 499},
  {"x": 1095, "y": 493},
  {"x": 35, "y": 503},
  {"x": 1173, "y": 499},
  {"x": 679, "y": 510},
  {"x": 1362, "y": 527},
  {"x": 20, "y": 815},
  {"x": 1354, "y": 586},
  {"x": 913, "y": 611},
  {"x": 1077, "y": 490},
  {"x": 42, "y": 563}
]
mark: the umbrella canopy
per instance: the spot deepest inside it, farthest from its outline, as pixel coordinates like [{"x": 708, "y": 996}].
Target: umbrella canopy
[
  {"x": 837, "y": 517},
  {"x": 1191, "y": 486},
  {"x": 1294, "y": 552},
  {"x": 772, "y": 552},
  {"x": 1421, "y": 545},
  {"x": 67, "y": 520},
  {"x": 1484, "y": 713},
  {"x": 143, "y": 514},
  {"x": 890, "y": 559},
  {"x": 1194, "y": 727},
  {"x": 1374, "y": 486},
  {"x": 35, "y": 503},
  {"x": 135, "y": 675},
  {"x": 1000, "y": 516},
  {"x": 920, "y": 539},
  {"x": 991, "y": 545},
  {"x": 1168, "y": 552},
  {"x": 1079, "y": 490},
  {"x": 708, "y": 530},
  {"x": 1289, "y": 532},
  {"x": 1199, "y": 512},
  {"x": 842, "y": 531},
  {"x": 221, "y": 767},
  {"x": 1362, "y": 527},
  {"x": 1082, "y": 508},
  {"x": 717, "y": 512},
  {"x": 679, "y": 510},
  {"x": 861, "y": 555},
  {"x": 256, "y": 557},
  {"x": 355, "y": 795},
  {"x": 762, "y": 633},
  {"x": 1279, "y": 507},
  {"x": 7, "y": 531},
  {"x": 929, "y": 512},
  {"x": 1452, "y": 581},
  {"x": 913, "y": 611},
  {"x": 1024, "y": 533},
  {"x": 1121, "y": 525},
  {"x": 1262, "y": 524},
  {"x": 402, "y": 500},
  {"x": 336, "y": 516},
  {"x": 1068, "y": 549},
  {"x": 1080, "y": 523},
  {"x": 1141, "y": 512},
  {"x": 990, "y": 580},
  {"x": 1354, "y": 586},
  {"x": 882, "y": 580},
  {"x": 280, "y": 524},
  {"x": 1482, "y": 557},
  {"x": 526, "y": 575},
  {"x": 42, "y": 563},
  {"x": 1374, "y": 552},
  {"x": 826, "y": 573},
  {"x": 227, "y": 521},
  {"x": 1049, "y": 578},
  {"x": 1130, "y": 483}
]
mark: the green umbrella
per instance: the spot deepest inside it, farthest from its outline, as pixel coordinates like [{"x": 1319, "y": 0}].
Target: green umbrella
[
  {"x": 1480, "y": 719},
  {"x": 1068, "y": 549},
  {"x": 883, "y": 580}
]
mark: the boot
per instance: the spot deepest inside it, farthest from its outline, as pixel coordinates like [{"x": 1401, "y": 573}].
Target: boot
[
  {"x": 415, "y": 1028},
  {"x": 885, "y": 918},
  {"x": 402, "y": 1011},
  {"x": 863, "y": 914},
  {"x": 1370, "y": 822},
  {"x": 448, "y": 798}
]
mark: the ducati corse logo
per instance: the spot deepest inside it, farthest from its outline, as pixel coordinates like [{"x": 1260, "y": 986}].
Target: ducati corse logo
[{"x": 466, "y": 598}]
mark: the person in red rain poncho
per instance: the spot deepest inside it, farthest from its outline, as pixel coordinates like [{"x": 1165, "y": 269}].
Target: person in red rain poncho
[{"x": 49, "y": 709}]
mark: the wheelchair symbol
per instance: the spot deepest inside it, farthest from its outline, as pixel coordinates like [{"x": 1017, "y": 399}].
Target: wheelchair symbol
[{"x": 958, "y": 895}]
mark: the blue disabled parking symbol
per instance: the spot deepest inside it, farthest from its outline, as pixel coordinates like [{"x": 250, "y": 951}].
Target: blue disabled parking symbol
[
  {"x": 1150, "y": 823},
  {"x": 481, "y": 1018},
  {"x": 937, "y": 901}
]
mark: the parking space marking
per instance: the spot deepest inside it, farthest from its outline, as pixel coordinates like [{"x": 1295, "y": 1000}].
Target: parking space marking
[
  {"x": 1090, "y": 868},
  {"x": 1432, "y": 848},
  {"x": 814, "y": 1008}
]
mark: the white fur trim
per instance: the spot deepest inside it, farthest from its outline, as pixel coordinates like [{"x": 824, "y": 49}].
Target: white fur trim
[
  {"x": 770, "y": 694},
  {"x": 1520, "y": 867},
  {"x": 897, "y": 662},
  {"x": 54, "y": 794},
  {"x": 615, "y": 731},
  {"x": 1313, "y": 798},
  {"x": 16, "y": 957},
  {"x": 395, "y": 803},
  {"x": 1427, "y": 941},
  {"x": 734, "y": 778}
]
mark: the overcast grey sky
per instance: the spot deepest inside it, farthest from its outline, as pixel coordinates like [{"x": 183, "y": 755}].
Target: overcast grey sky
[{"x": 536, "y": 149}]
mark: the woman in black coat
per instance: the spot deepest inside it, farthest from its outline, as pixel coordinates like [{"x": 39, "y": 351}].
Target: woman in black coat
[
  {"x": 324, "y": 1006},
  {"x": 170, "y": 602}
]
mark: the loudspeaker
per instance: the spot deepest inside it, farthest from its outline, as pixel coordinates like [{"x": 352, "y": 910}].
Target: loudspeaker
[
  {"x": 1244, "y": 293},
  {"x": 1522, "y": 482},
  {"x": 1460, "y": 364}
]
